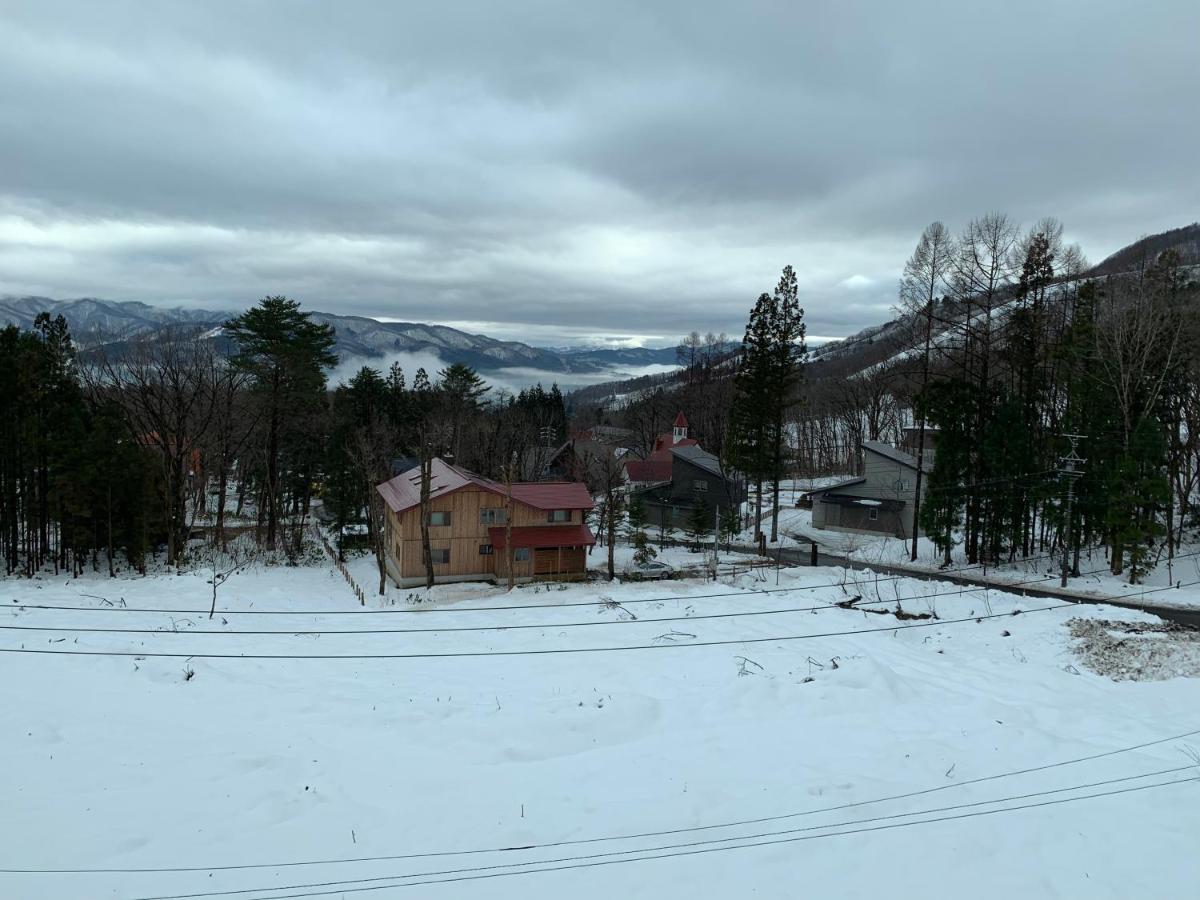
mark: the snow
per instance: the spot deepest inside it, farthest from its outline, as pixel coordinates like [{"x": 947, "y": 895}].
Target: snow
[
  {"x": 124, "y": 762},
  {"x": 1175, "y": 585}
]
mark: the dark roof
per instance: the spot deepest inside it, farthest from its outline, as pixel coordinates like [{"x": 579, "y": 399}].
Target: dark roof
[
  {"x": 402, "y": 464},
  {"x": 404, "y": 491},
  {"x": 543, "y": 536},
  {"x": 700, "y": 458},
  {"x": 889, "y": 452}
]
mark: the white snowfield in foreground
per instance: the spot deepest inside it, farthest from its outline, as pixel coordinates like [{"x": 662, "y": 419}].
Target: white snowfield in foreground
[{"x": 875, "y": 764}]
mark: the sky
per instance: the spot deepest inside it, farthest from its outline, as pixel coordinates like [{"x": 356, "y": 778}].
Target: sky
[{"x": 567, "y": 173}]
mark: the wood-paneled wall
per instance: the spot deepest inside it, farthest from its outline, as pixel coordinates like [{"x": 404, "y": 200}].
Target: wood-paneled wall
[{"x": 464, "y": 535}]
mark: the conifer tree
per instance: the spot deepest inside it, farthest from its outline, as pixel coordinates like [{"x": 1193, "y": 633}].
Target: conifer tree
[{"x": 287, "y": 354}]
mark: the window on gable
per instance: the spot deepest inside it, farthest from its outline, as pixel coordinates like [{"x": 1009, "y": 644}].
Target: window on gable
[
  {"x": 699, "y": 484},
  {"x": 439, "y": 518},
  {"x": 440, "y": 557},
  {"x": 493, "y": 515},
  {"x": 558, "y": 515}
]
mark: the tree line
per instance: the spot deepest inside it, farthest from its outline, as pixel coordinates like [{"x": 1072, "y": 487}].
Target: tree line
[{"x": 115, "y": 453}]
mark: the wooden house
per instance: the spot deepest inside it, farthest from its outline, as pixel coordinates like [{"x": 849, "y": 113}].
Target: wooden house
[{"x": 471, "y": 519}]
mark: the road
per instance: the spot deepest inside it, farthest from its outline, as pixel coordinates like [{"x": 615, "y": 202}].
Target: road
[{"x": 802, "y": 556}]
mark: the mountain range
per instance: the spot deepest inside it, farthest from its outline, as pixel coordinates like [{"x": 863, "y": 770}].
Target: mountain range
[{"x": 94, "y": 322}]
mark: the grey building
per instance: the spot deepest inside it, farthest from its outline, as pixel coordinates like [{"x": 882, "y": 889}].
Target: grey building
[
  {"x": 880, "y": 501},
  {"x": 696, "y": 478}
]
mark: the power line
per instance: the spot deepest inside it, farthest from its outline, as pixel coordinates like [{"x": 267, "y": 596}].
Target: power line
[
  {"x": 584, "y": 863},
  {"x": 455, "y": 609},
  {"x": 707, "y": 843},
  {"x": 623, "y": 837},
  {"x": 961, "y": 589},
  {"x": 543, "y": 651}
]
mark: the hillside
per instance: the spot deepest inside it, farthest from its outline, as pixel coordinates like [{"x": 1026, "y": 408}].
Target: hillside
[
  {"x": 1141, "y": 252},
  {"x": 878, "y": 346},
  {"x": 94, "y": 322}
]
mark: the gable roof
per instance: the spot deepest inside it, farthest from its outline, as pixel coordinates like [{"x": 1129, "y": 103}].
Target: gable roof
[
  {"x": 889, "y": 452},
  {"x": 700, "y": 458},
  {"x": 404, "y": 491}
]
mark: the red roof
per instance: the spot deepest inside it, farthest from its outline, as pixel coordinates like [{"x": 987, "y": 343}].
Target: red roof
[
  {"x": 544, "y": 536},
  {"x": 404, "y": 491},
  {"x": 552, "y": 494},
  {"x": 681, "y": 420},
  {"x": 649, "y": 470}
]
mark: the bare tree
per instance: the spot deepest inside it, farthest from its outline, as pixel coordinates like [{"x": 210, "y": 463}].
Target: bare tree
[
  {"x": 925, "y": 276},
  {"x": 162, "y": 385}
]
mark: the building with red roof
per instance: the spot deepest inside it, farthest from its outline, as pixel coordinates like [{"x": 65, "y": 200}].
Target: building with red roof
[
  {"x": 656, "y": 468},
  {"x": 472, "y": 520},
  {"x": 680, "y": 476}
]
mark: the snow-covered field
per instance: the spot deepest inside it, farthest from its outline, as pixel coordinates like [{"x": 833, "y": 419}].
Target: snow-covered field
[{"x": 806, "y": 751}]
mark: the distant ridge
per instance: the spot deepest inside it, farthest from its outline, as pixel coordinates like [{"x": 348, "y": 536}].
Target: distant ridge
[{"x": 96, "y": 322}]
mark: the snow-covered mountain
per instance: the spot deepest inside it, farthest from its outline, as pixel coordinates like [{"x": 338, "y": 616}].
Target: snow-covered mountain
[{"x": 94, "y": 321}]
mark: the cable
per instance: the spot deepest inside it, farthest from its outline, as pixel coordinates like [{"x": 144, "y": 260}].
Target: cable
[
  {"x": 961, "y": 589},
  {"x": 538, "y": 652},
  {"x": 449, "y": 609},
  {"x": 622, "y": 837},
  {"x": 584, "y": 862},
  {"x": 708, "y": 842}
]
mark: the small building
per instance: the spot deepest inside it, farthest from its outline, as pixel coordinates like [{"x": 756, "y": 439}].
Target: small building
[
  {"x": 880, "y": 501},
  {"x": 679, "y": 476},
  {"x": 469, "y": 519},
  {"x": 579, "y": 457}
]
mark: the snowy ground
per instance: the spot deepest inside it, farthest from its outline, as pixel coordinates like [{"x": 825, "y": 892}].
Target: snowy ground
[
  {"x": 129, "y": 763},
  {"x": 1155, "y": 589}
]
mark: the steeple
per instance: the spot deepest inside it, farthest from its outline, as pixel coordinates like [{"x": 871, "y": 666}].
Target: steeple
[{"x": 680, "y": 429}]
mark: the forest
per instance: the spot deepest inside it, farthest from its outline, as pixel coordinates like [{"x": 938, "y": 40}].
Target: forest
[{"x": 1007, "y": 355}]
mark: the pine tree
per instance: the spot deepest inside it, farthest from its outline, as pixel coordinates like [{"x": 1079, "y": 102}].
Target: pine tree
[
  {"x": 787, "y": 373},
  {"x": 750, "y": 447},
  {"x": 699, "y": 524},
  {"x": 287, "y": 355}
]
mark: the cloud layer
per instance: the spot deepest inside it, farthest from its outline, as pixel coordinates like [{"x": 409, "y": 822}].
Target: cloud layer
[{"x": 574, "y": 170}]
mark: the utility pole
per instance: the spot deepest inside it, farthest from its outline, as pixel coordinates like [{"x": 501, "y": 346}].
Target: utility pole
[
  {"x": 510, "y": 555},
  {"x": 1070, "y": 474},
  {"x": 716, "y": 536}
]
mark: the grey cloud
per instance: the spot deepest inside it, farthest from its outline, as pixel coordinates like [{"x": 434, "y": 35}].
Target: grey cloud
[{"x": 616, "y": 169}]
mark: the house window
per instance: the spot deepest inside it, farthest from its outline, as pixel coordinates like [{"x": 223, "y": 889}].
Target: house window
[
  {"x": 439, "y": 518},
  {"x": 494, "y": 515},
  {"x": 873, "y": 515},
  {"x": 440, "y": 557},
  {"x": 558, "y": 515},
  {"x": 485, "y": 549},
  {"x": 521, "y": 554},
  {"x": 699, "y": 484}
]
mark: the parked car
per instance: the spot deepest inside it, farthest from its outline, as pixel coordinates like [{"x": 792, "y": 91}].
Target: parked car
[{"x": 649, "y": 571}]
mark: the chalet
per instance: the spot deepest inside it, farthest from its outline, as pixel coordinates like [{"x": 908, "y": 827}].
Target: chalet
[
  {"x": 680, "y": 476},
  {"x": 880, "y": 501},
  {"x": 582, "y": 457},
  {"x": 469, "y": 524}
]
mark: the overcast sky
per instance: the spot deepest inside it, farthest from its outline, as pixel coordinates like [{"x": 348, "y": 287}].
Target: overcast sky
[{"x": 559, "y": 172}]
